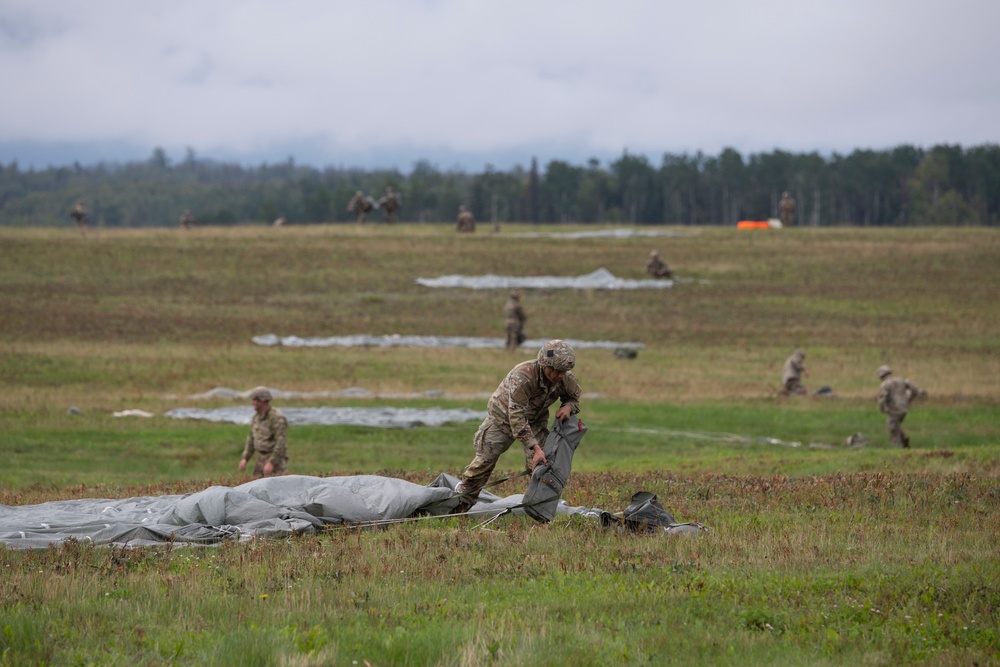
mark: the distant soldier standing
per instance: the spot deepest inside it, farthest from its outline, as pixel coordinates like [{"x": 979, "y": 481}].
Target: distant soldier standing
[
  {"x": 791, "y": 375},
  {"x": 787, "y": 208},
  {"x": 514, "y": 319},
  {"x": 359, "y": 206},
  {"x": 894, "y": 396},
  {"x": 519, "y": 410},
  {"x": 187, "y": 220},
  {"x": 390, "y": 204},
  {"x": 656, "y": 267},
  {"x": 79, "y": 214},
  {"x": 268, "y": 437},
  {"x": 466, "y": 221}
]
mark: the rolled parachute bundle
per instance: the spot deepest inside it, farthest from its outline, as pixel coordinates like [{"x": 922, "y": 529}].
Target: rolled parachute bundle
[{"x": 547, "y": 481}]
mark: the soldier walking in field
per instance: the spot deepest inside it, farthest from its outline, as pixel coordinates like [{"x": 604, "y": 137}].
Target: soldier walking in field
[
  {"x": 390, "y": 203},
  {"x": 268, "y": 437},
  {"x": 514, "y": 319},
  {"x": 79, "y": 214},
  {"x": 466, "y": 221},
  {"x": 519, "y": 410},
  {"x": 791, "y": 375},
  {"x": 656, "y": 267},
  {"x": 187, "y": 220},
  {"x": 894, "y": 396},
  {"x": 787, "y": 209},
  {"x": 359, "y": 206}
]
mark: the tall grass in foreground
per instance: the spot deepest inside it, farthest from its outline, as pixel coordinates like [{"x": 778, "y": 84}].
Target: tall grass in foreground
[{"x": 873, "y": 569}]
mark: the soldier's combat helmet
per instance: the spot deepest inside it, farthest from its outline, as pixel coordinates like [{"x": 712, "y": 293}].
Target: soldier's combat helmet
[
  {"x": 883, "y": 372},
  {"x": 557, "y": 354},
  {"x": 260, "y": 394}
]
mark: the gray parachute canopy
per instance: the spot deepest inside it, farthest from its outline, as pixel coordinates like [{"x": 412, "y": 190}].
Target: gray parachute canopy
[{"x": 269, "y": 507}]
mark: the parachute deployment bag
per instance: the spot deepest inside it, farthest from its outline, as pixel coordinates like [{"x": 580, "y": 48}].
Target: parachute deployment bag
[{"x": 547, "y": 481}]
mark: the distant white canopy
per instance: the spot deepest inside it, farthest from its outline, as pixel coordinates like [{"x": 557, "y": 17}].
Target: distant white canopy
[{"x": 599, "y": 279}]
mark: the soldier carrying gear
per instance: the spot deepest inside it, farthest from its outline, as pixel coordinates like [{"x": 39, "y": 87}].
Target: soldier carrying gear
[
  {"x": 466, "y": 221},
  {"x": 894, "y": 396},
  {"x": 787, "y": 209},
  {"x": 389, "y": 203},
  {"x": 187, "y": 219},
  {"x": 360, "y": 205},
  {"x": 79, "y": 213}
]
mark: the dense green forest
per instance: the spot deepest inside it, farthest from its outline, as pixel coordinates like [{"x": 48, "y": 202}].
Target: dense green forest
[{"x": 945, "y": 185}]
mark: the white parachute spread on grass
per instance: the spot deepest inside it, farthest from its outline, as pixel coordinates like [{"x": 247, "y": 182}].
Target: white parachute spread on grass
[
  {"x": 396, "y": 340},
  {"x": 382, "y": 417},
  {"x": 599, "y": 279}
]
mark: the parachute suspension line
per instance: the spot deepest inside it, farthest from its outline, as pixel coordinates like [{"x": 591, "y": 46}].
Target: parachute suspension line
[{"x": 492, "y": 519}]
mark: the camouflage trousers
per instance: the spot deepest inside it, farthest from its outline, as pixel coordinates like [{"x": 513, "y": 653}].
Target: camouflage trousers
[
  {"x": 280, "y": 465},
  {"x": 894, "y": 424},
  {"x": 794, "y": 387},
  {"x": 490, "y": 442},
  {"x": 514, "y": 335}
]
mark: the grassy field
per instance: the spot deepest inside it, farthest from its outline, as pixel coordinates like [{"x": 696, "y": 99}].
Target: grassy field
[{"x": 818, "y": 554}]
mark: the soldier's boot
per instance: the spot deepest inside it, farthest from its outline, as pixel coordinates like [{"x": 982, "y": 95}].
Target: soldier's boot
[
  {"x": 465, "y": 502},
  {"x": 906, "y": 441}
]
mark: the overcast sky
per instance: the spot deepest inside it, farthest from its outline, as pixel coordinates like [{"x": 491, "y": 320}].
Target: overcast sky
[{"x": 465, "y": 83}]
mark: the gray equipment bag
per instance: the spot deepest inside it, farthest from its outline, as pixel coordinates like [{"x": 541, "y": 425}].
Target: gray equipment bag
[{"x": 547, "y": 481}]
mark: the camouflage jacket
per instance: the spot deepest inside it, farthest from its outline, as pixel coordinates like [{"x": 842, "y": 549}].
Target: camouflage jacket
[
  {"x": 794, "y": 367},
  {"x": 513, "y": 313},
  {"x": 895, "y": 394},
  {"x": 520, "y": 405},
  {"x": 268, "y": 436}
]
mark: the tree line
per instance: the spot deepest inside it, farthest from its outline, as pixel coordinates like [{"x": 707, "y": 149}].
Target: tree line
[{"x": 906, "y": 185}]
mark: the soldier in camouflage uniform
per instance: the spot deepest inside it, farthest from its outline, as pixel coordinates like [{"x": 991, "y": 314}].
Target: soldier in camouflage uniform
[
  {"x": 359, "y": 206},
  {"x": 787, "y": 209},
  {"x": 519, "y": 410},
  {"x": 514, "y": 319},
  {"x": 268, "y": 437},
  {"x": 79, "y": 214},
  {"x": 187, "y": 220},
  {"x": 390, "y": 204},
  {"x": 791, "y": 375},
  {"x": 656, "y": 267},
  {"x": 894, "y": 396},
  {"x": 466, "y": 221}
]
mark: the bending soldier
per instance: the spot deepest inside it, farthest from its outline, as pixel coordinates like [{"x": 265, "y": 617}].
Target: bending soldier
[
  {"x": 519, "y": 410},
  {"x": 656, "y": 267},
  {"x": 791, "y": 375}
]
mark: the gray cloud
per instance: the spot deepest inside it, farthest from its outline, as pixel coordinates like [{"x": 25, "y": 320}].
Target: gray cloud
[{"x": 386, "y": 82}]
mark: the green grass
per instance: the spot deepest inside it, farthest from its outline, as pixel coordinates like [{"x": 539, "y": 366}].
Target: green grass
[{"x": 817, "y": 555}]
